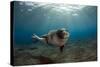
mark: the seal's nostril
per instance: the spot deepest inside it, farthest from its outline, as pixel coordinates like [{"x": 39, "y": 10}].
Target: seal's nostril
[{"x": 64, "y": 33}]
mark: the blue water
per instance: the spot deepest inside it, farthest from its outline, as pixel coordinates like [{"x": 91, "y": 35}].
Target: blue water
[{"x": 28, "y": 20}]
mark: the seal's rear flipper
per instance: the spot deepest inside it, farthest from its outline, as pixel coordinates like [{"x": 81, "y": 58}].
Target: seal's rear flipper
[{"x": 35, "y": 38}]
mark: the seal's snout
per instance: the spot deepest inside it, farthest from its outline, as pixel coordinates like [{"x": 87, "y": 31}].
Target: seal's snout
[{"x": 61, "y": 33}]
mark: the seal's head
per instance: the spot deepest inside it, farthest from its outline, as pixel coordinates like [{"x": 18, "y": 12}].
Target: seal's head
[
  {"x": 62, "y": 37},
  {"x": 62, "y": 33}
]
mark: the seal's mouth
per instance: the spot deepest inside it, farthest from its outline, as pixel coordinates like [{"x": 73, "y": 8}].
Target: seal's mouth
[{"x": 61, "y": 34}]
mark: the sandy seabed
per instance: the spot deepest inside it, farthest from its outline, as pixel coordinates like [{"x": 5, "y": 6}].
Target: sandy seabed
[{"x": 75, "y": 51}]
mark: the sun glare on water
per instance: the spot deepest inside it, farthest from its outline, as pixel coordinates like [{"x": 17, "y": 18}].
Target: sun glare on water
[{"x": 59, "y": 8}]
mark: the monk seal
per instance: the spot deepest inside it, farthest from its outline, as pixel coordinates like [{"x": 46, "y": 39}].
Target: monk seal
[{"x": 55, "y": 37}]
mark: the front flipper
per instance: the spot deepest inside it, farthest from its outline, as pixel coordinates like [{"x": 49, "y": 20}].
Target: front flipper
[{"x": 61, "y": 48}]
